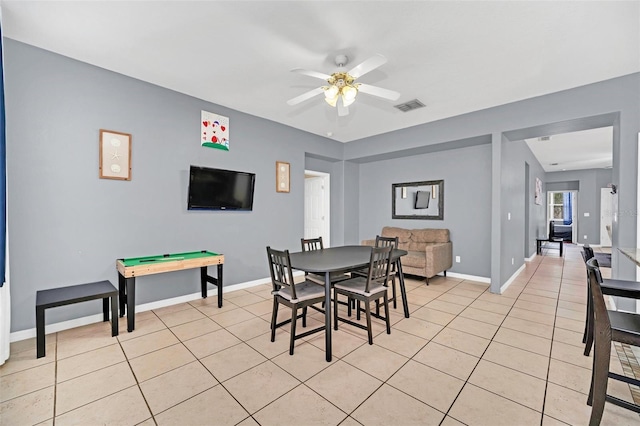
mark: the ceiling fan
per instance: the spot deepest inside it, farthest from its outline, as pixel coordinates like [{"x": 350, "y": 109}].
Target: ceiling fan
[{"x": 342, "y": 88}]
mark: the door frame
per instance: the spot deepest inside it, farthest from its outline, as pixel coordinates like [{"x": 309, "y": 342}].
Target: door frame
[{"x": 326, "y": 181}]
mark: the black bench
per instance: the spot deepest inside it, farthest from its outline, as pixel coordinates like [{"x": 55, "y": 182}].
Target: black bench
[
  {"x": 73, "y": 294},
  {"x": 539, "y": 244}
]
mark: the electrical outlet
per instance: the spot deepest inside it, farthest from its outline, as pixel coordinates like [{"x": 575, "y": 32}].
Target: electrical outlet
[
  {"x": 513, "y": 261},
  {"x": 585, "y": 237},
  {"x": 457, "y": 259},
  {"x": 586, "y": 214},
  {"x": 509, "y": 216}
]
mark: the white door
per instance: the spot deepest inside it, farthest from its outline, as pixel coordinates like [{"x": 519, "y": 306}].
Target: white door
[
  {"x": 606, "y": 214},
  {"x": 316, "y": 208}
]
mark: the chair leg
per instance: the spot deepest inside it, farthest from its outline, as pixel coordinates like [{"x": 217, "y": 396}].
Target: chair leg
[
  {"x": 349, "y": 303},
  {"x": 358, "y": 310},
  {"x": 386, "y": 313},
  {"x": 294, "y": 316},
  {"x": 274, "y": 317},
  {"x": 393, "y": 282},
  {"x": 304, "y": 317},
  {"x": 335, "y": 309},
  {"x": 367, "y": 311},
  {"x": 601, "y": 358}
]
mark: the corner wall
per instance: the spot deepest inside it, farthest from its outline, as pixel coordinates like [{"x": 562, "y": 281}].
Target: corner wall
[{"x": 67, "y": 226}]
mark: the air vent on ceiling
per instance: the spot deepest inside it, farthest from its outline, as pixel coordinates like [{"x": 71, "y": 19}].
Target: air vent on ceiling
[
  {"x": 410, "y": 106},
  {"x": 545, "y": 138}
]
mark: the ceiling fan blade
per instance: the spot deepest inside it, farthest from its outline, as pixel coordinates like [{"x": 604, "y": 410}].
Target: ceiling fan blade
[
  {"x": 308, "y": 95},
  {"x": 315, "y": 74},
  {"x": 378, "y": 91},
  {"x": 369, "y": 65},
  {"x": 342, "y": 110}
]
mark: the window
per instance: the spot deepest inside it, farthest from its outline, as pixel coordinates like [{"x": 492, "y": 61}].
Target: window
[{"x": 556, "y": 206}]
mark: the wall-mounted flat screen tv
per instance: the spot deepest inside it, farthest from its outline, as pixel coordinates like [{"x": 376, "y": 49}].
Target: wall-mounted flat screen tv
[
  {"x": 217, "y": 189},
  {"x": 422, "y": 199}
]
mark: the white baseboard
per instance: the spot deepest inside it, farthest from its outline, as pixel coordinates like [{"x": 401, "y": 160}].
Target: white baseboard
[
  {"x": 529, "y": 259},
  {"x": 77, "y": 322},
  {"x": 468, "y": 277},
  {"x": 510, "y": 280}
]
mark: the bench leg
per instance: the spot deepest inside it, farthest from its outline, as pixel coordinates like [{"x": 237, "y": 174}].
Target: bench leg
[
  {"x": 105, "y": 309},
  {"x": 40, "y": 332},
  {"x": 114, "y": 315}
]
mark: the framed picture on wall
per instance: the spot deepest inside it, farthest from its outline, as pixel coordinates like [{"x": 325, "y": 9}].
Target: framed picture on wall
[
  {"x": 115, "y": 155},
  {"x": 282, "y": 176},
  {"x": 538, "y": 194}
]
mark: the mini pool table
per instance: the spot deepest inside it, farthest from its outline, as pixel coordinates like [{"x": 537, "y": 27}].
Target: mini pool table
[{"x": 129, "y": 269}]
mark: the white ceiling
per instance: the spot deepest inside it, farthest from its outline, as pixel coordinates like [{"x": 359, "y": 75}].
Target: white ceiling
[
  {"x": 588, "y": 149},
  {"x": 456, "y": 57}
]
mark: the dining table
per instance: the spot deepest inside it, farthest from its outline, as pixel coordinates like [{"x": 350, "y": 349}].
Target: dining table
[{"x": 340, "y": 260}]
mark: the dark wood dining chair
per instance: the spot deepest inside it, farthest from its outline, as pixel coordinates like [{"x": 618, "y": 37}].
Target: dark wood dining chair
[
  {"x": 384, "y": 242},
  {"x": 294, "y": 295},
  {"x": 310, "y": 244},
  {"x": 609, "y": 287},
  {"x": 609, "y": 326},
  {"x": 368, "y": 289}
]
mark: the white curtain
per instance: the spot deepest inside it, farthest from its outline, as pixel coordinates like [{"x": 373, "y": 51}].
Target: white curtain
[{"x": 5, "y": 299}]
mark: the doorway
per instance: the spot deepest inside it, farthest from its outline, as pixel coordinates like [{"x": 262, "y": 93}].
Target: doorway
[
  {"x": 317, "y": 195},
  {"x": 606, "y": 216},
  {"x": 562, "y": 212}
]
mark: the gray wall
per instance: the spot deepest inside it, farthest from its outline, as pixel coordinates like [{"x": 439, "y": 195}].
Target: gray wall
[
  {"x": 513, "y": 225},
  {"x": 76, "y": 225},
  {"x": 467, "y": 200},
  {"x": 67, "y": 226},
  {"x": 590, "y": 182},
  {"x": 612, "y": 102}
]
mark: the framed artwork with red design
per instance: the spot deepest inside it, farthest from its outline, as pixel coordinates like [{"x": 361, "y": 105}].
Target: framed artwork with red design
[{"x": 214, "y": 131}]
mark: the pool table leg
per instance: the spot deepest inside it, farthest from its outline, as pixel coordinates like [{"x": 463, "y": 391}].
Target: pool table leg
[
  {"x": 219, "y": 283},
  {"x": 131, "y": 303},
  {"x": 205, "y": 278},
  {"x": 122, "y": 295},
  {"x": 203, "y": 281}
]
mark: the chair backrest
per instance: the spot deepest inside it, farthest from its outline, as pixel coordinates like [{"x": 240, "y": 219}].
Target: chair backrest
[
  {"x": 378, "y": 266},
  {"x": 280, "y": 269},
  {"x": 311, "y": 244},
  {"x": 588, "y": 252},
  {"x": 601, "y": 323},
  {"x": 386, "y": 241}
]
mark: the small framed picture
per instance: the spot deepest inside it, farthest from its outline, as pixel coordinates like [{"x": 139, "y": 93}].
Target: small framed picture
[
  {"x": 282, "y": 176},
  {"x": 115, "y": 155}
]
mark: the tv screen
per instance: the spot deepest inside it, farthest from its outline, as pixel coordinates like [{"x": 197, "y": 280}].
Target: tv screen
[
  {"x": 422, "y": 199},
  {"x": 217, "y": 189}
]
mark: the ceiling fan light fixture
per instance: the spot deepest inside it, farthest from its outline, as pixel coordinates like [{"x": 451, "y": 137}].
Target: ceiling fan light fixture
[
  {"x": 347, "y": 102},
  {"x": 349, "y": 94},
  {"x": 331, "y": 92},
  {"x": 332, "y": 101}
]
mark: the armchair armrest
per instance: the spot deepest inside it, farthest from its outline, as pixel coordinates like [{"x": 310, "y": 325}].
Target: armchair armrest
[{"x": 438, "y": 258}]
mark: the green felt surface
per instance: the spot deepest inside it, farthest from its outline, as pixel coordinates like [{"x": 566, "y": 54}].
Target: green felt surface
[{"x": 134, "y": 261}]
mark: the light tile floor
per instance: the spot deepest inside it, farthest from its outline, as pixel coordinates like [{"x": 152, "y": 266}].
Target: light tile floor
[{"x": 465, "y": 356}]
